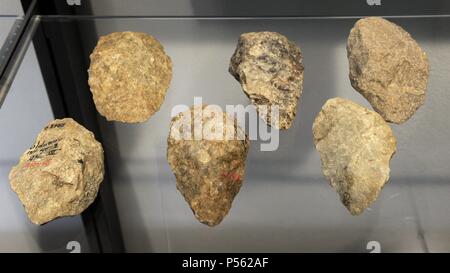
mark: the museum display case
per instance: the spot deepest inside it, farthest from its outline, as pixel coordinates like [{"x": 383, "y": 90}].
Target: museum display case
[{"x": 285, "y": 202}]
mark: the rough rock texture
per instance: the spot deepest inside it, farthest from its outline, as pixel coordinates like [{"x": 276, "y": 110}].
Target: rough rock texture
[
  {"x": 270, "y": 70},
  {"x": 355, "y": 146},
  {"x": 209, "y": 173},
  {"x": 60, "y": 174},
  {"x": 388, "y": 68},
  {"x": 129, "y": 76}
]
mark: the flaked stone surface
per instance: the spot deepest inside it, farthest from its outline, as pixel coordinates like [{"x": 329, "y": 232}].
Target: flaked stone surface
[
  {"x": 388, "y": 68},
  {"x": 60, "y": 174},
  {"x": 129, "y": 76},
  {"x": 270, "y": 70},
  {"x": 355, "y": 146},
  {"x": 209, "y": 170}
]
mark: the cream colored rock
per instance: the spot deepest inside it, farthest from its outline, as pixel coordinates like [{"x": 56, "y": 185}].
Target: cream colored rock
[
  {"x": 388, "y": 68},
  {"x": 209, "y": 168},
  {"x": 355, "y": 146},
  {"x": 129, "y": 76},
  {"x": 270, "y": 70},
  {"x": 60, "y": 174}
]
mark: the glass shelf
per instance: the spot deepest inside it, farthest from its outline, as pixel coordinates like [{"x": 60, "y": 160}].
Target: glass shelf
[
  {"x": 285, "y": 204},
  {"x": 11, "y": 13},
  {"x": 251, "y": 8}
]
